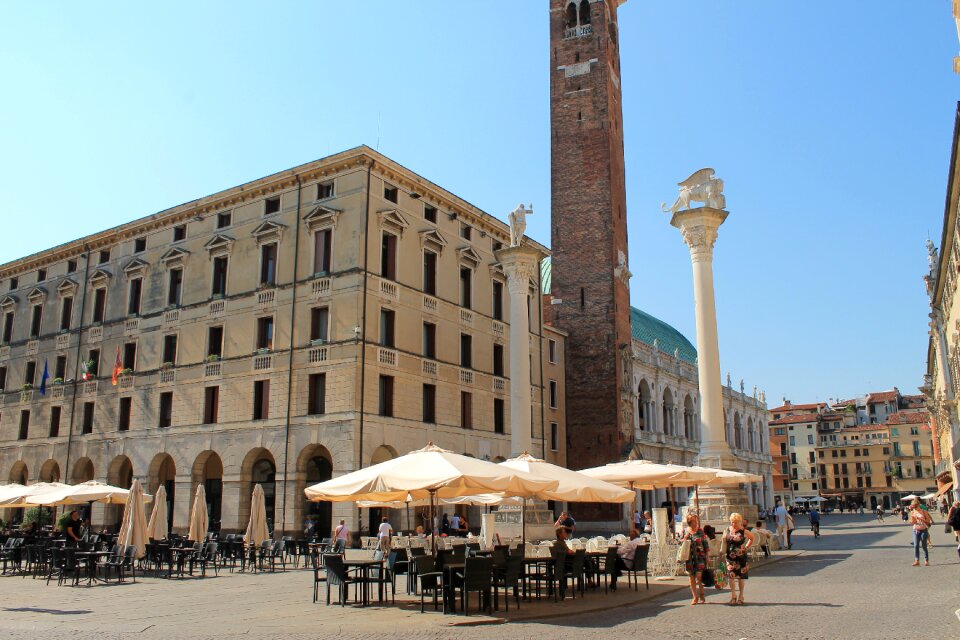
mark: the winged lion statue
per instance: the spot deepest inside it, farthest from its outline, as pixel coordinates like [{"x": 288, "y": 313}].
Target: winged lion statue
[{"x": 703, "y": 186}]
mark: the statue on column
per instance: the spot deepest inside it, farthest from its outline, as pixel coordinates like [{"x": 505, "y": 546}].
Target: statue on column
[
  {"x": 703, "y": 186},
  {"x": 518, "y": 224}
]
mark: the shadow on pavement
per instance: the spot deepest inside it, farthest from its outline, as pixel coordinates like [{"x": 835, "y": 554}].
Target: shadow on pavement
[
  {"x": 805, "y": 564},
  {"x": 55, "y": 612}
]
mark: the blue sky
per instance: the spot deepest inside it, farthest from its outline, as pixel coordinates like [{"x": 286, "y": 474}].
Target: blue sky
[{"x": 829, "y": 121}]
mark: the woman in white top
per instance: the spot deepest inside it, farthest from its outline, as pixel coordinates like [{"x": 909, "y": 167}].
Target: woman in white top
[{"x": 383, "y": 534}]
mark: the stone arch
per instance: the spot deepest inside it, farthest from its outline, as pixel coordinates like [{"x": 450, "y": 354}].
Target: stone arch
[
  {"x": 50, "y": 471},
  {"x": 751, "y": 436},
  {"x": 737, "y": 430},
  {"x": 163, "y": 471},
  {"x": 19, "y": 473},
  {"x": 646, "y": 407},
  {"x": 584, "y": 12},
  {"x": 83, "y": 471},
  {"x": 570, "y": 17},
  {"x": 381, "y": 454},
  {"x": 208, "y": 469},
  {"x": 259, "y": 467},
  {"x": 314, "y": 464},
  {"x": 689, "y": 418},
  {"x": 669, "y": 411}
]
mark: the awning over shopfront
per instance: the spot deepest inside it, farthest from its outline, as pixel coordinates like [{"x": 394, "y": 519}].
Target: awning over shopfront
[{"x": 946, "y": 487}]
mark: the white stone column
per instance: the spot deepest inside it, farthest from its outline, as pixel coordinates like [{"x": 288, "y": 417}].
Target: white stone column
[
  {"x": 699, "y": 229},
  {"x": 520, "y": 266}
]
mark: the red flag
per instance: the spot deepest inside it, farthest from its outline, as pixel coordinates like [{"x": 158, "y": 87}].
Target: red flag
[{"x": 117, "y": 368}]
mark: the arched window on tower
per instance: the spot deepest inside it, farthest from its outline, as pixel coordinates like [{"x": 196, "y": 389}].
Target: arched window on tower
[
  {"x": 571, "y": 20},
  {"x": 584, "y": 12}
]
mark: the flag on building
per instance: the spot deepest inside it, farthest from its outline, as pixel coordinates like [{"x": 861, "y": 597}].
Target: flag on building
[
  {"x": 85, "y": 370},
  {"x": 43, "y": 378},
  {"x": 117, "y": 368}
]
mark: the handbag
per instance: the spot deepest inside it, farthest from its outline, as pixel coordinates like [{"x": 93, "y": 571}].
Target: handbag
[
  {"x": 708, "y": 578},
  {"x": 723, "y": 545},
  {"x": 683, "y": 553}
]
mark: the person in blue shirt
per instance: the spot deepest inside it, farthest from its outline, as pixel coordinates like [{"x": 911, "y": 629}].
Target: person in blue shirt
[{"x": 815, "y": 522}]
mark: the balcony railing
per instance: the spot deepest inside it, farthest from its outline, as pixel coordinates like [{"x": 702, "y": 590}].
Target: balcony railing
[
  {"x": 96, "y": 334},
  {"x": 212, "y": 370},
  {"x": 387, "y": 357},
  {"x": 267, "y": 297},
  {"x": 63, "y": 341},
  {"x": 131, "y": 325},
  {"x": 499, "y": 385},
  {"x": 466, "y": 316},
  {"x": 466, "y": 376},
  {"x": 216, "y": 308},
  {"x": 317, "y": 355},
  {"x": 262, "y": 362},
  {"x": 320, "y": 287},
  {"x": 498, "y": 329},
  {"x": 430, "y": 304},
  {"x": 389, "y": 289},
  {"x": 171, "y": 316},
  {"x": 578, "y": 32},
  {"x": 429, "y": 367}
]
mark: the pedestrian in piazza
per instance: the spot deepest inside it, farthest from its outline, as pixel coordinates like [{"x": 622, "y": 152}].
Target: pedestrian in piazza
[
  {"x": 814, "y": 516},
  {"x": 637, "y": 520},
  {"x": 953, "y": 521},
  {"x": 790, "y": 527},
  {"x": 699, "y": 556},
  {"x": 781, "y": 515},
  {"x": 736, "y": 542},
  {"x": 921, "y": 521},
  {"x": 880, "y": 513}
]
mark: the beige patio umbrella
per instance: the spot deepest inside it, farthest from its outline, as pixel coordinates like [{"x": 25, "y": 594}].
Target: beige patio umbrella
[
  {"x": 16, "y": 495},
  {"x": 646, "y": 475},
  {"x": 572, "y": 486},
  {"x": 726, "y": 478},
  {"x": 428, "y": 473},
  {"x": 198, "y": 516},
  {"x": 157, "y": 527},
  {"x": 257, "y": 526},
  {"x": 133, "y": 529},
  {"x": 84, "y": 492}
]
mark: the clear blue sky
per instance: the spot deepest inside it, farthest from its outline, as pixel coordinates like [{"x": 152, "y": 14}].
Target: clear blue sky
[{"x": 829, "y": 121}]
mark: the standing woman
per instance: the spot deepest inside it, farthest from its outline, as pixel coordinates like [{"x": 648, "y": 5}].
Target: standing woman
[
  {"x": 921, "y": 521},
  {"x": 737, "y": 541},
  {"x": 699, "y": 554}
]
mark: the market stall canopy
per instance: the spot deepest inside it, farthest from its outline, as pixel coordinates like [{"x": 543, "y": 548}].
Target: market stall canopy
[
  {"x": 428, "y": 471},
  {"x": 646, "y": 475},
  {"x": 572, "y": 486}
]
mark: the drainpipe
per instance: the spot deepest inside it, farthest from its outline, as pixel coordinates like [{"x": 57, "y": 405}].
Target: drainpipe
[
  {"x": 76, "y": 366},
  {"x": 293, "y": 315},
  {"x": 543, "y": 412},
  {"x": 363, "y": 328}
]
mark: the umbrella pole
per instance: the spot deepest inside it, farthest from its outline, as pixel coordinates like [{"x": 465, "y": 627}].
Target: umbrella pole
[{"x": 523, "y": 524}]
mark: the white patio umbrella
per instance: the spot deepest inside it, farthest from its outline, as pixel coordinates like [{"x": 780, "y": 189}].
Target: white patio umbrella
[
  {"x": 133, "y": 529},
  {"x": 726, "y": 478},
  {"x": 908, "y": 497},
  {"x": 84, "y": 492},
  {"x": 818, "y": 499},
  {"x": 157, "y": 528},
  {"x": 15, "y": 495},
  {"x": 198, "y": 516},
  {"x": 572, "y": 486},
  {"x": 929, "y": 496},
  {"x": 646, "y": 475},
  {"x": 257, "y": 526}
]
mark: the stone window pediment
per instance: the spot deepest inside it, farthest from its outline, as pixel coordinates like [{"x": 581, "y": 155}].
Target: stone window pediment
[
  {"x": 433, "y": 240},
  {"x": 268, "y": 231},
  {"x": 99, "y": 277},
  {"x": 392, "y": 220},
  {"x": 496, "y": 271},
  {"x": 37, "y": 295},
  {"x": 135, "y": 268},
  {"x": 8, "y": 303},
  {"x": 174, "y": 257},
  {"x": 218, "y": 245},
  {"x": 321, "y": 217},
  {"x": 468, "y": 257},
  {"x": 67, "y": 287}
]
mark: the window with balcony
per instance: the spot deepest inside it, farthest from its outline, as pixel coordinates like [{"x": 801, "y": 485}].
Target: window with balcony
[
  {"x": 268, "y": 264},
  {"x": 24, "y": 424},
  {"x": 30, "y": 373},
  {"x": 388, "y": 256},
  {"x": 169, "y": 353},
  {"x": 265, "y": 332},
  {"x": 215, "y": 342},
  {"x": 429, "y": 340},
  {"x": 430, "y": 273},
  {"x": 466, "y": 351},
  {"x": 55, "y": 422},
  {"x": 220, "y": 267},
  {"x": 36, "y": 320},
  {"x": 498, "y": 304},
  {"x": 59, "y": 368},
  {"x": 466, "y": 287},
  {"x": 319, "y": 324},
  {"x": 174, "y": 287},
  {"x": 66, "y": 313},
  {"x": 8, "y": 327},
  {"x": 322, "y": 250},
  {"x": 498, "y": 360},
  {"x": 93, "y": 363},
  {"x": 130, "y": 355},
  {"x": 466, "y": 410}
]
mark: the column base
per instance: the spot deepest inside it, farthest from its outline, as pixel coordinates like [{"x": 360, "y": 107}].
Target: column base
[{"x": 716, "y": 505}]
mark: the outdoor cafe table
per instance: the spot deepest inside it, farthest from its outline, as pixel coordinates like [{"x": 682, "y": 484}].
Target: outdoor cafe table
[
  {"x": 90, "y": 559},
  {"x": 364, "y": 565},
  {"x": 180, "y": 558}
]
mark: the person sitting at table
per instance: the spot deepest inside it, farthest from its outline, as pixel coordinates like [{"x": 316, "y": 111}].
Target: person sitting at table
[
  {"x": 420, "y": 533},
  {"x": 464, "y": 527},
  {"x": 72, "y": 528},
  {"x": 625, "y": 555}
]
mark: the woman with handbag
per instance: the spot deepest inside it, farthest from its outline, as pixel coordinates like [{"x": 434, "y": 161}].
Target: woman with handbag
[
  {"x": 921, "y": 521},
  {"x": 695, "y": 552},
  {"x": 736, "y": 541}
]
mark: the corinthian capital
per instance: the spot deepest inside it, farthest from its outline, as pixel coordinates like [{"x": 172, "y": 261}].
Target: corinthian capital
[
  {"x": 700, "y": 239},
  {"x": 519, "y": 275}
]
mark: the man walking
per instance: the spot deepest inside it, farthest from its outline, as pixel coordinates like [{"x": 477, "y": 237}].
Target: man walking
[
  {"x": 383, "y": 535},
  {"x": 780, "y": 513}
]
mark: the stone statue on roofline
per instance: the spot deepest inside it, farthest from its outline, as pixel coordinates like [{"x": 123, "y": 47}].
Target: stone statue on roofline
[
  {"x": 703, "y": 186},
  {"x": 518, "y": 224}
]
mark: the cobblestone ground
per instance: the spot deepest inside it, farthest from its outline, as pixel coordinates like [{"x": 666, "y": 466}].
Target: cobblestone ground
[{"x": 854, "y": 582}]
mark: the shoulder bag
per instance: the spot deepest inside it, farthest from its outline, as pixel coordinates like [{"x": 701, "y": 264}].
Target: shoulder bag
[{"x": 683, "y": 553}]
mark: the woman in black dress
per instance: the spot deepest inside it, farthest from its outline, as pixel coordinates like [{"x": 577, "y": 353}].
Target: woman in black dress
[{"x": 737, "y": 541}]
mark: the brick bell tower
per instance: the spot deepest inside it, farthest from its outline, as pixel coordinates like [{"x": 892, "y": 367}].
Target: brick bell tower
[{"x": 590, "y": 292}]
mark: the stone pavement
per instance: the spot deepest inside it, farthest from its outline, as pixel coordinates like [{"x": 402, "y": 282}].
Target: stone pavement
[{"x": 854, "y": 582}]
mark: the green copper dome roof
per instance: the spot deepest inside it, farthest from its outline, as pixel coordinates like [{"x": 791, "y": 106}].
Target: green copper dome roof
[{"x": 643, "y": 326}]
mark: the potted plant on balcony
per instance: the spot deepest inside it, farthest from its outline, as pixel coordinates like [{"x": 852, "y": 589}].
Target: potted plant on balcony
[
  {"x": 213, "y": 357},
  {"x": 262, "y": 351},
  {"x": 58, "y": 381},
  {"x": 125, "y": 372},
  {"x": 26, "y": 387},
  {"x": 166, "y": 366}
]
